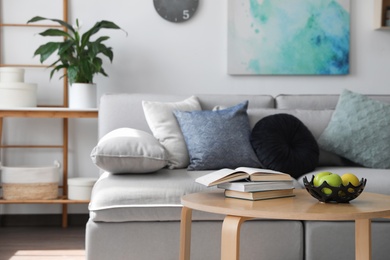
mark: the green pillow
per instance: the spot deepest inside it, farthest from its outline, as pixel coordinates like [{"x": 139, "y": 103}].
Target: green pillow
[{"x": 359, "y": 130}]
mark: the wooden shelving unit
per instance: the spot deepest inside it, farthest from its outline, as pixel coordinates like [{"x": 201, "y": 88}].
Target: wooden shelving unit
[
  {"x": 380, "y": 8},
  {"x": 64, "y": 114},
  {"x": 59, "y": 112}
]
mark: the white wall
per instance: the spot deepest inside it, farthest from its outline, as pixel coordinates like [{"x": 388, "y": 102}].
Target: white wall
[{"x": 161, "y": 57}]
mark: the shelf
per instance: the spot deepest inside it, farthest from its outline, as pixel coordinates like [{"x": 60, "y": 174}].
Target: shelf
[
  {"x": 30, "y": 25},
  {"x": 48, "y": 112},
  {"x": 55, "y": 201},
  {"x": 61, "y": 112},
  {"x": 380, "y": 7}
]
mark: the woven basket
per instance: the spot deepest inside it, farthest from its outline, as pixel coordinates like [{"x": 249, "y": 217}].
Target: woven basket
[
  {"x": 31, "y": 191},
  {"x": 30, "y": 183}
]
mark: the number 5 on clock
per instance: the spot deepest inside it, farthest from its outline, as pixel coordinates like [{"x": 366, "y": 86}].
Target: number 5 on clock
[{"x": 186, "y": 15}]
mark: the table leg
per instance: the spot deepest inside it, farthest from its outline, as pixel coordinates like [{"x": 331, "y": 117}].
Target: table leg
[
  {"x": 185, "y": 233},
  {"x": 230, "y": 244},
  {"x": 363, "y": 239}
]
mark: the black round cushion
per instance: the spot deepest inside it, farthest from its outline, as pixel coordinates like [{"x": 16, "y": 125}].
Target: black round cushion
[{"x": 283, "y": 143}]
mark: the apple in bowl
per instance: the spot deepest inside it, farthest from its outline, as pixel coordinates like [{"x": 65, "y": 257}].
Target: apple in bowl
[{"x": 332, "y": 179}]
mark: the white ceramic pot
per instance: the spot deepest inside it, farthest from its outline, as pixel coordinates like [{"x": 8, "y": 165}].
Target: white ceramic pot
[
  {"x": 11, "y": 74},
  {"x": 18, "y": 94},
  {"x": 80, "y": 188},
  {"x": 82, "y": 95}
]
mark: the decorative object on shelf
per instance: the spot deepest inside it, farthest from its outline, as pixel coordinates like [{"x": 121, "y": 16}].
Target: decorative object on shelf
[
  {"x": 13, "y": 91},
  {"x": 288, "y": 38},
  {"x": 78, "y": 53},
  {"x": 30, "y": 183},
  {"x": 387, "y": 16},
  {"x": 10, "y": 74},
  {"x": 342, "y": 194},
  {"x": 80, "y": 188},
  {"x": 176, "y": 11}
]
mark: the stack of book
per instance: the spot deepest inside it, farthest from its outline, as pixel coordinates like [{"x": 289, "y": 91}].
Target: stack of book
[{"x": 250, "y": 183}]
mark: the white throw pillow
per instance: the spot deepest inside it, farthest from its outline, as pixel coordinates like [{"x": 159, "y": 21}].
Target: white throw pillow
[
  {"x": 127, "y": 150},
  {"x": 166, "y": 129}
]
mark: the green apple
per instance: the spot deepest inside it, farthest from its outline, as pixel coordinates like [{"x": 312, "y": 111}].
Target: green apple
[
  {"x": 333, "y": 180},
  {"x": 318, "y": 176}
]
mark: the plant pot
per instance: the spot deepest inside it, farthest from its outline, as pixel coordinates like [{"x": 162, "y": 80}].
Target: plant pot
[{"x": 82, "y": 95}]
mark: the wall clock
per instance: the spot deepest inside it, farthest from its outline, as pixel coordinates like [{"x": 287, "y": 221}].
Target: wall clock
[{"x": 176, "y": 10}]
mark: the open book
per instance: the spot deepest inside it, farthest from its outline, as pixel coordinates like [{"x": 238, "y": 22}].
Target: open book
[{"x": 241, "y": 173}]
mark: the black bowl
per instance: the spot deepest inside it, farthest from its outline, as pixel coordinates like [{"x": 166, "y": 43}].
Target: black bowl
[{"x": 342, "y": 194}]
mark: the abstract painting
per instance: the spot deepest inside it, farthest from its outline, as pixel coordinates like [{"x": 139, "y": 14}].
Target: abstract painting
[{"x": 288, "y": 37}]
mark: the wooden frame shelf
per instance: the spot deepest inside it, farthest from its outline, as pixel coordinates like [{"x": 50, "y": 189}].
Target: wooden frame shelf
[
  {"x": 49, "y": 112},
  {"x": 380, "y": 8},
  {"x": 60, "y": 112},
  {"x": 60, "y": 200}
]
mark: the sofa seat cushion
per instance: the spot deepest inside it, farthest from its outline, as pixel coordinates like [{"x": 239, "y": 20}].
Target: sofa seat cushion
[
  {"x": 147, "y": 197},
  {"x": 151, "y": 197},
  {"x": 378, "y": 180}
]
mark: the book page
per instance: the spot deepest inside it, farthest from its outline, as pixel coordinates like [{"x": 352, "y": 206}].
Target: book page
[
  {"x": 221, "y": 176},
  {"x": 250, "y": 170}
]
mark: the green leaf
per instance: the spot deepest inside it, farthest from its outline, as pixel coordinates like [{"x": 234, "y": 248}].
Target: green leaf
[
  {"x": 39, "y": 18},
  {"x": 46, "y": 50},
  {"x": 102, "y": 39},
  {"x": 36, "y": 19},
  {"x": 72, "y": 74},
  {"x": 107, "y": 52},
  {"x": 55, "y": 69},
  {"x": 65, "y": 47},
  {"x": 99, "y": 25},
  {"x": 103, "y": 72},
  {"x": 56, "y": 32}
]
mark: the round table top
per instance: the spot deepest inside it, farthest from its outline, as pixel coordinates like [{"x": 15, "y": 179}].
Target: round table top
[{"x": 300, "y": 207}]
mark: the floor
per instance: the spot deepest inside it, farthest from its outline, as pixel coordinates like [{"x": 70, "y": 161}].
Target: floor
[{"x": 43, "y": 243}]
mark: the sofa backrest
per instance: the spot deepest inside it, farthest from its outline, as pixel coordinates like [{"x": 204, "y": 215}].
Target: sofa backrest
[
  {"x": 315, "y": 111},
  {"x": 125, "y": 110},
  {"x": 315, "y": 101}
]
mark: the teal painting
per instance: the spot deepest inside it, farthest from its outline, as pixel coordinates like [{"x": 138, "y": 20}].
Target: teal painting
[{"x": 288, "y": 37}]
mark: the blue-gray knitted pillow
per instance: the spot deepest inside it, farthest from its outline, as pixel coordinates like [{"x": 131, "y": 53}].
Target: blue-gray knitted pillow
[
  {"x": 359, "y": 130},
  {"x": 218, "y": 139},
  {"x": 283, "y": 143}
]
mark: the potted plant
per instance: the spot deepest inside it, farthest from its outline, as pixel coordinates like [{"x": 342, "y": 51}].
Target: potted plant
[{"x": 79, "y": 55}]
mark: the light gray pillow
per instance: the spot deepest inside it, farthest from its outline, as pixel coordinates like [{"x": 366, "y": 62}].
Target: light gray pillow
[
  {"x": 164, "y": 126},
  {"x": 218, "y": 139},
  {"x": 127, "y": 150},
  {"x": 359, "y": 130}
]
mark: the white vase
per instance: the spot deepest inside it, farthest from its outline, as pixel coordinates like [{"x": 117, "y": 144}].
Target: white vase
[{"x": 82, "y": 95}]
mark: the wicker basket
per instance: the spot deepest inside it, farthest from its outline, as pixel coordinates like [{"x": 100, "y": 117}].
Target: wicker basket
[{"x": 30, "y": 183}]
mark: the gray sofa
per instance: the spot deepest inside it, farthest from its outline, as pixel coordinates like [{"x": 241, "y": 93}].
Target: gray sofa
[{"x": 137, "y": 216}]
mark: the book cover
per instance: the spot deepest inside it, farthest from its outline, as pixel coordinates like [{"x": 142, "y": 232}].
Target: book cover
[
  {"x": 252, "y": 186},
  {"x": 260, "y": 195}
]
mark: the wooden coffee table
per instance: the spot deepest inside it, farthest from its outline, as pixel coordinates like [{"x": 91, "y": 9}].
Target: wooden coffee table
[{"x": 301, "y": 207}]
